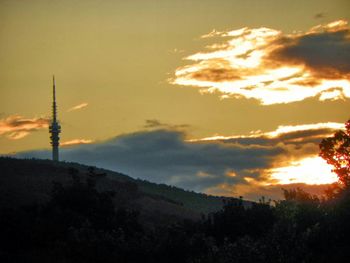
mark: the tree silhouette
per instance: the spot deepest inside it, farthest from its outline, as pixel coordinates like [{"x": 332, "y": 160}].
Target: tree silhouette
[{"x": 336, "y": 151}]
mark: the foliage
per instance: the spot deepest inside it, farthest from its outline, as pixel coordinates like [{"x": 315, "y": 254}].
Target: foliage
[
  {"x": 79, "y": 223},
  {"x": 336, "y": 151}
]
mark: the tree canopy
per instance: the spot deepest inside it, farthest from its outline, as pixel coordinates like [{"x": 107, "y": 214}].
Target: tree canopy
[{"x": 336, "y": 151}]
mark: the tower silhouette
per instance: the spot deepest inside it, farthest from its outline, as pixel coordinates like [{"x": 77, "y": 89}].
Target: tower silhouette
[{"x": 55, "y": 127}]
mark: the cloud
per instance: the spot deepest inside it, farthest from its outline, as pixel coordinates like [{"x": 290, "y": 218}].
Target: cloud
[
  {"x": 272, "y": 67},
  {"x": 325, "y": 55},
  {"x": 78, "y": 107},
  {"x": 176, "y": 50},
  {"x": 320, "y": 15},
  {"x": 261, "y": 162},
  {"x": 17, "y": 127},
  {"x": 76, "y": 142},
  {"x": 156, "y": 124},
  {"x": 164, "y": 156},
  {"x": 284, "y": 133}
]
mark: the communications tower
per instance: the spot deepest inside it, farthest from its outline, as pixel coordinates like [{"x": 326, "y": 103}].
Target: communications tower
[{"x": 54, "y": 127}]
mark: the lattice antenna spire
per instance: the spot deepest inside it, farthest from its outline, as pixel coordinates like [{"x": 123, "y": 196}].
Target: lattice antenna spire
[
  {"x": 55, "y": 127},
  {"x": 54, "y": 106}
]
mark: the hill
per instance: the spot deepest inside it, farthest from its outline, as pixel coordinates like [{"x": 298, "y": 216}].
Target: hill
[
  {"x": 27, "y": 181},
  {"x": 76, "y": 213}
]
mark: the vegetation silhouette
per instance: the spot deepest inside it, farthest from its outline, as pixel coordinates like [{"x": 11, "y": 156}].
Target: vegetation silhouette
[
  {"x": 82, "y": 223},
  {"x": 336, "y": 151}
]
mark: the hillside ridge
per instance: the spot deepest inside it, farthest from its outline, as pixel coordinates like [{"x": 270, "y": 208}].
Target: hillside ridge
[{"x": 25, "y": 181}]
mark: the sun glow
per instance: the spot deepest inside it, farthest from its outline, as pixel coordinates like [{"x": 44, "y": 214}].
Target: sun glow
[{"x": 310, "y": 170}]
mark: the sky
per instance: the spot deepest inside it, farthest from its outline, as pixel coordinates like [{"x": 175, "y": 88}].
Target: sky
[{"x": 222, "y": 97}]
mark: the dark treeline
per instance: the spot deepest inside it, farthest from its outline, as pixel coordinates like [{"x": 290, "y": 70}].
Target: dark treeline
[{"x": 80, "y": 224}]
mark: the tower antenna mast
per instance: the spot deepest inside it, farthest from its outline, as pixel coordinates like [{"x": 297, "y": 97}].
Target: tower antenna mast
[{"x": 54, "y": 128}]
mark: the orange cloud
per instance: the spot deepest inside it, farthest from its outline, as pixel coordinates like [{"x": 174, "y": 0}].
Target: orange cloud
[
  {"x": 297, "y": 164},
  {"x": 272, "y": 67},
  {"x": 76, "y": 141},
  {"x": 283, "y": 130},
  {"x": 78, "y": 107},
  {"x": 17, "y": 127}
]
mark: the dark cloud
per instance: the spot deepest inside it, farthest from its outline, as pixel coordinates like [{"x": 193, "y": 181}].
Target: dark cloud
[
  {"x": 156, "y": 124},
  {"x": 165, "y": 156},
  {"x": 327, "y": 53},
  {"x": 320, "y": 15},
  {"x": 153, "y": 124}
]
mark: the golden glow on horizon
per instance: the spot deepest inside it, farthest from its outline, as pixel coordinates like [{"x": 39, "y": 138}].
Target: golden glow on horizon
[
  {"x": 310, "y": 170},
  {"x": 247, "y": 66}
]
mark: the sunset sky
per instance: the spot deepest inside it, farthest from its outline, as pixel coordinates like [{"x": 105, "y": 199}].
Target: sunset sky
[{"x": 225, "y": 97}]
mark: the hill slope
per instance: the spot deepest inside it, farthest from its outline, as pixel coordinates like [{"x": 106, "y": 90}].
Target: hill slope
[{"x": 24, "y": 181}]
